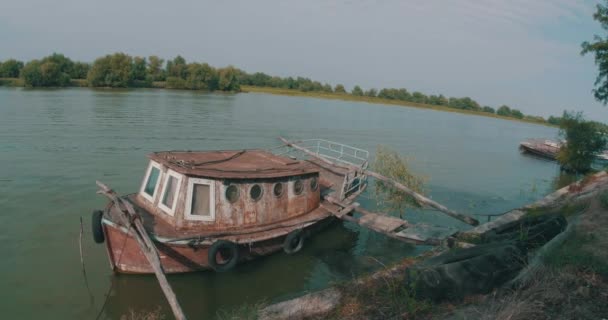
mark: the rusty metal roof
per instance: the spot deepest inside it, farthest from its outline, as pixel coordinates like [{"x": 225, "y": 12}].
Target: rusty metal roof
[{"x": 232, "y": 164}]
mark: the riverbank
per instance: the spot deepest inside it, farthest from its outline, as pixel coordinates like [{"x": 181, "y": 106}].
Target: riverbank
[
  {"x": 565, "y": 279},
  {"x": 17, "y": 82},
  {"x": 376, "y": 100}
]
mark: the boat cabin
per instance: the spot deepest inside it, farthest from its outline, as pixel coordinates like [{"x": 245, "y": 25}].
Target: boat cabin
[{"x": 223, "y": 190}]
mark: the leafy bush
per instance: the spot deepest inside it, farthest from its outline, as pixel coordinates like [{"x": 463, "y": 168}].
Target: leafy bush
[
  {"x": 112, "y": 71},
  {"x": 392, "y": 165},
  {"x": 44, "y": 74},
  {"x": 584, "y": 141}
]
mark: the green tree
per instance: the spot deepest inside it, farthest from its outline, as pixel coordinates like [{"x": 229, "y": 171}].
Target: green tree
[
  {"x": 339, "y": 89},
  {"x": 228, "y": 79},
  {"x": 10, "y": 68},
  {"x": 504, "y": 111},
  {"x": 599, "y": 48},
  {"x": 442, "y": 100},
  {"x": 56, "y": 70},
  {"x": 139, "y": 69},
  {"x": 80, "y": 70},
  {"x": 371, "y": 92},
  {"x": 64, "y": 64},
  {"x": 155, "y": 70},
  {"x": 419, "y": 97},
  {"x": 198, "y": 77},
  {"x": 488, "y": 109},
  {"x": 357, "y": 91},
  {"x": 53, "y": 76},
  {"x": 31, "y": 74},
  {"x": 317, "y": 86},
  {"x": 51, "y": 71},
  {"x": 44, "y": 74},
  {"x": 584, "y": 140},
  {"x": 177, "y": 68},
  {"x": 112, "y": 70},
  {"x": 517, "y": 114},
  {"x": 390, "y": 93},
  {"x": 554, "y": 120}
]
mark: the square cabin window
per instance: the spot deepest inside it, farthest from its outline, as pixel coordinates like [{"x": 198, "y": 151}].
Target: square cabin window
[
  {"x": 170, "y": 192},
  {"x": 151, "y": 181},
  {"x": 200, "y": 204}
]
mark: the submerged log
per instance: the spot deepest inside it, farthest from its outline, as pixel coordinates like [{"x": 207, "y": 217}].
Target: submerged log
[
  {"x": 418, "y": 197},
  {"x": 130, "y": 218}
]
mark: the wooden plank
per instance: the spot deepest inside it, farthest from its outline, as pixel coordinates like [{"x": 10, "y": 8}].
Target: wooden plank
[
  {"x": 419, "y": 198},
  {"x": 425, "y": 233},
  {"x": 382, "y": 224},
  {"x": 130, "y": 218},
  {"x": 347, "y": 210}
]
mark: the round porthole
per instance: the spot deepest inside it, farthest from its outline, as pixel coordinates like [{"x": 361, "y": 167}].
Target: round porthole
[
  {"x": 256, "y": 192},
  {"x": 277, "y": 189},
  {"x": 298, "y": 187},
  {"x": 314, "y": 184},
  {"x": 232, "y": 193}
]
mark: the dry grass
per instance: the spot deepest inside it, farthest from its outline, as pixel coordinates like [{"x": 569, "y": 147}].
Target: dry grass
[
  {"x": 381, "y": 296},
  {"x": 573, "y": 283},
  {"x": 144, "y": 315},
  {"x": 555, "y": 294}
]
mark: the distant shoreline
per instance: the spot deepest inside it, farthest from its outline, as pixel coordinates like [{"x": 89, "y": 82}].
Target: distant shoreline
[
  {"x": 81, "y": 83},
  {"x": 375, "y": 100}
]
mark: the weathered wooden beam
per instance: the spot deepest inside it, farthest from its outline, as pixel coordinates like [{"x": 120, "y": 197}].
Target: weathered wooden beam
[
  {"x": 418, "y": 197},
  {"x": 130, "y": 218}
]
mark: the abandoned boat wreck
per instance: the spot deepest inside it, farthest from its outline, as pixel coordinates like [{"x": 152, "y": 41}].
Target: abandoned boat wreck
[
  {"x": 543, "y": 148},
  {"x": 200, "y": 210}
]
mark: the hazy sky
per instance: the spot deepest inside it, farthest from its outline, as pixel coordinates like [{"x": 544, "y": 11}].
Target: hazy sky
[{"x": 523, "y": 53}]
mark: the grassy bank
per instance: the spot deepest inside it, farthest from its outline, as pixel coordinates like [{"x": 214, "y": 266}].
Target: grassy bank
[
  {"x": 349, "y": 97},
  {"x": 571, "y": 282}
]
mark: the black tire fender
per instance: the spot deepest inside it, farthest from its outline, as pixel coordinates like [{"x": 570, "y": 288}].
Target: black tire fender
[
  {"x": 229, "y": 251},
  {"x": 293, "y": 242},
  {"x": 97, "y": 227}
]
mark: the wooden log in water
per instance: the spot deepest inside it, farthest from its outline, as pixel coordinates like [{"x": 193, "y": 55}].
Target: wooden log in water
[
  {"x": 130, "y": 217},
  {"x": 418, "y": 197}
]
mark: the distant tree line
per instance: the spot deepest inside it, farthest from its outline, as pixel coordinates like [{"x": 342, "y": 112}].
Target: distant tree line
[
  {"x": 401, "y": 94},
  {"x": 121, "y": 70}
]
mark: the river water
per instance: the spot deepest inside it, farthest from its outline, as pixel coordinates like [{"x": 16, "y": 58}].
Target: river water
[{"x": 54, "y": 144}]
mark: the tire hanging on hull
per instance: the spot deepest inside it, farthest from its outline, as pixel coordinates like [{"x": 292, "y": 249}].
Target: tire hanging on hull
[
  {"x": 96, "y": 226},
  {"x": 293, "y": 242},
  {"x": 227, "y": 251}
]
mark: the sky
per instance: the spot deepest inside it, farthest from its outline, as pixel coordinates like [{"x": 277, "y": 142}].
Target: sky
[{"x": 522, "y": 53}]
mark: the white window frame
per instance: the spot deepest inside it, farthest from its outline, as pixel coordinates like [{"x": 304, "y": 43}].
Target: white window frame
[
  {"x": 146, "y": 177},
  {"x": 167, "y": 210},
  {"x": 188, "y": 209}
]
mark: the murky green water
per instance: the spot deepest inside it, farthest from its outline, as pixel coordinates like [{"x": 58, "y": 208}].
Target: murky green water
[{"x": 54, "y": 145}]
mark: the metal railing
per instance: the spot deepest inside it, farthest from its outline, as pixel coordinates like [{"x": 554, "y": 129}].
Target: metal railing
[
  {"x": 333, "y": 151},
  {"x": 354, "y": 180}
]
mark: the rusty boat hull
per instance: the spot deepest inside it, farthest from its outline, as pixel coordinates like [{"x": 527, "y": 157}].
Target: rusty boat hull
[{"x": 125, "y": 254}]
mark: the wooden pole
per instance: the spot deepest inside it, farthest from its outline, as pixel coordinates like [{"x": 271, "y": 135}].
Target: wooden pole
[
  {"x": 419, "y": 198},
  {"x": 148, "y": 248}
]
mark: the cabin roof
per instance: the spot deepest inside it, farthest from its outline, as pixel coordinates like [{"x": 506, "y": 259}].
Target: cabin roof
[{"x": 233, "y": 164}]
